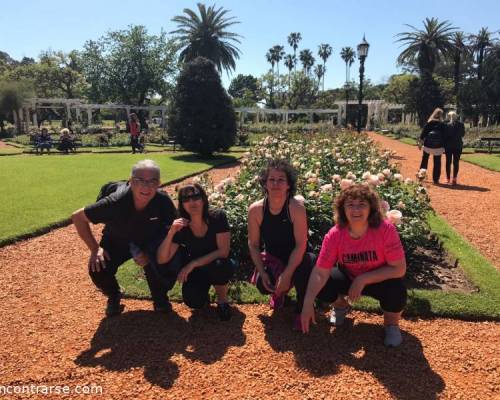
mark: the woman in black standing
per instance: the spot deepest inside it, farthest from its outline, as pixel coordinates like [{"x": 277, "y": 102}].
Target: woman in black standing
[
  {"x": 453, "y": 145},
  {"x": 432, "y": 137}
]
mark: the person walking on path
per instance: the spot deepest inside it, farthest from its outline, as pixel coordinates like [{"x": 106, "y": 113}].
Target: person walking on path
[
  {"x": 453, "y": 145},
  {"x": 279, "y": 221},
  {"x": 204, "y": 237},
  {"x": 135, "y": 215},
  {"x": 361, "y": 255},
  {"x": 432, "y": 137},
  {"x": 134, "y": 128}
]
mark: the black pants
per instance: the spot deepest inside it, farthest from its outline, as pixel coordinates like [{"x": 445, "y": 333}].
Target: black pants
[
  {"x": 391, "y": 293},
  {"x": 436, "y": 168},
  {"x": 300, "y": 279},
  {"x": 453, "y": 155},
  {"x": 160, "y": 278},
  {"x": 136, "y": 145},
  {"x": 195, "y": 289}
]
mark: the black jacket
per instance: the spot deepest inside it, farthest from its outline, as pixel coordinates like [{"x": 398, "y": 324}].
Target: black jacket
[
  {"x": 433, "y": 134},
  {"x": 454, "y": 134}
]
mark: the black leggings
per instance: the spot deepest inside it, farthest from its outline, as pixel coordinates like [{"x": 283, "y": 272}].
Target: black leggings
[
  {"x": 436, "y": 168},
  {"x": 391, "y": 293},
  {"x": 300, "y": 279},
  {"x": 195, "y": 289},
  {"x": 452, "y": 155}
]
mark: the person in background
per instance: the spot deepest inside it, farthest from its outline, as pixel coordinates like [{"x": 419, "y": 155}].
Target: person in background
[
  {"x": 432, "y": 137},
  {"x": 361, "y": 255},
  {"x": 134, "y": 128},
  {"x": 453, "y": 144}
]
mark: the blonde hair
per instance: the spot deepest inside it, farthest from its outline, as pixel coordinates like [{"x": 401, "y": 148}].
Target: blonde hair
[
  {"x": 64, "y": 131},
  {"x": 437, "y": 115},
  {"x": 452, "y": 116}
]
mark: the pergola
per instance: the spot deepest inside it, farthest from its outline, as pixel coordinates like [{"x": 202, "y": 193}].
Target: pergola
[{"x": 77, "y": 107}]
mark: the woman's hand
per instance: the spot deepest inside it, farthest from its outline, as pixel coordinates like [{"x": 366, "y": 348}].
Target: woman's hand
[
  {"x": 283, "y": 283},
  {"x": 356, "y": 288},
  {"x": 306, "y": 317},
  {"x": 184, "y": 272},
  {"x": 266, "y": 281},
  {"x": 178, "y": 224}
]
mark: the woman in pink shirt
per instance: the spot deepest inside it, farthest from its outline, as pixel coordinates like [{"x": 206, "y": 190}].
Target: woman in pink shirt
[{"x": 361, "y": 255}]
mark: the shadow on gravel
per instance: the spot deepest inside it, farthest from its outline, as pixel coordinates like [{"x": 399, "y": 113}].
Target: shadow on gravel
[
  {"x": 148, "y": 340},
  {"x": 465, "y": 187},
  {"x": 404, "y": 371}
]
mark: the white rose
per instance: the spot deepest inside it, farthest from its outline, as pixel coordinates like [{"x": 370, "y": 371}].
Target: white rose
[
  {"x": 345, "y": 183},
  {"x": 398, "y": 177},
  {"x": 366, "y": 175},
  {"x": 395, "y": 216},
  {"x": 326, "y": 188}
]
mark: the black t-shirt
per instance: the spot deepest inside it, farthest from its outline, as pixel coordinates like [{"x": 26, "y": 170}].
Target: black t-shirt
[
  {"x": 197, "y": 247},
  {"x": 124, "y": 224}
]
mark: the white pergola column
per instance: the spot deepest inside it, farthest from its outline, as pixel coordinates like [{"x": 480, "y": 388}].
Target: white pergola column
[
  {"x": 127, "y": 110},
  {"x": 78, "y": 114},
  {"x": 89, "y": 116},
  {"x": 35, "y": 121},
  {"x": 163, "y": 120}
]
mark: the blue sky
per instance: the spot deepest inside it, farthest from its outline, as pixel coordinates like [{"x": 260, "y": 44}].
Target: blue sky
[{"x": 30, "y": 26}]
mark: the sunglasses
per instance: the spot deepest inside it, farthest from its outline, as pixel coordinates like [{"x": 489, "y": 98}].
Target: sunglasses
[{"x": 194, "y": 197}]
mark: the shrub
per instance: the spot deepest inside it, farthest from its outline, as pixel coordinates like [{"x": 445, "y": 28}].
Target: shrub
[{"x": 202, "y": 118}]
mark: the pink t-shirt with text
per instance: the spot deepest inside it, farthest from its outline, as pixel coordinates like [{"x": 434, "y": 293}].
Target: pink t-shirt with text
[{"x": 376, "y": 247}]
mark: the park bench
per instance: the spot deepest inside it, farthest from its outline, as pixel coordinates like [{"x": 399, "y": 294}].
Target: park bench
[
  {"x": 492, "y": 142},
  {"x": 55, "y": 145},
  {"x": 169, "y": 140}
]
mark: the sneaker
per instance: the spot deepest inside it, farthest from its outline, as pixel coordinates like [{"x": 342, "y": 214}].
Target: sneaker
[
  {"x": 297, "y": 323},
  {"x": 276, "y": 302},
  {"x": 338, "y": 314},
  {"x": 114, "y": 307},
  {"x": 224, "y": 311},
  {"x": 393, "y": 336},
  {"x": 454, "y": 181},
  {"x": 163, "y": 308}
]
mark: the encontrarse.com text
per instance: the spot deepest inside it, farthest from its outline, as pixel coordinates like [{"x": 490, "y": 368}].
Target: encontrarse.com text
[{"x": 50, "y": 389}]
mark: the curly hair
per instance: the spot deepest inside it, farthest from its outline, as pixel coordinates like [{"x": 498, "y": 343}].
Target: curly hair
[
  {"x": 187, "y": 190},
  {"x": 358, "y": 192},
  {"x": 283, "y": 166}
]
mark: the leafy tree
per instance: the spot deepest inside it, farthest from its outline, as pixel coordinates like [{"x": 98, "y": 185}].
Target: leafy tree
[
  {"x": 244, "y": 86},
  {"x": 307, "y": 60},
  {"x": 12, "y": 96},
  {"x": 303, "y": 93},
  {"x": 397, "y": 90},
  {"x": 202, "y": 118},
  {"x": 425, "y": 96},
  {"x": 425, "y": 48},
  {"x": 293, "y": 40},
  {"x": 324, "y": 52},
  {"x": 319, "y": 71},
  {"x": 480, "y": 44},
  {"x": 205, "y": 35},
  {"x": 129, "y": 66}
]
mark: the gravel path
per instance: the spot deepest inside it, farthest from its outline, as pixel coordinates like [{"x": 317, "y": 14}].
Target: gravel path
[
  {"x": 52, "y": 332},
  {"x": 472, "y": 207}
]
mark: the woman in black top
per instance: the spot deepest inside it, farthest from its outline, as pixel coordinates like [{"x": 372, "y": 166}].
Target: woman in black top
[
  {"x": 205, "y": 237},
  {"x": 279, "y": 222},
  {"x": 432, "y": 137},
  {"x": 453, "y": 145}
]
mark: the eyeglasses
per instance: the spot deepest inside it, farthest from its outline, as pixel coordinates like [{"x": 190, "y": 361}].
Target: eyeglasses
[
  {"x": 194, "y": 197},
  {"x": 146, "y": 182}
]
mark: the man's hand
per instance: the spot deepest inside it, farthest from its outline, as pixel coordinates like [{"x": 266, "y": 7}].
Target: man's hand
[
  {"x": 356, "y": 288},
  {"x": 184, "y": 272},
  {"x": 97, "y": 260},
  {"x": 141, "y": 259}
]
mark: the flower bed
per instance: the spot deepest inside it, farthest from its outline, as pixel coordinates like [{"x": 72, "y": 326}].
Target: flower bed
[{"x": 325, "y": 165}]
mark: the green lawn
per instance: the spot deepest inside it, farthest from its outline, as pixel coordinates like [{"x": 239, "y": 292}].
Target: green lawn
[
  {"x": 482, "y": 305},
  {"x": 42, "y": 191},
  {"x": 488, "y": 161}
]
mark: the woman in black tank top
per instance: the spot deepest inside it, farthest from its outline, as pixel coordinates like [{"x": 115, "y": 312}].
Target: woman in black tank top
[{"x": 278, "y": 223}]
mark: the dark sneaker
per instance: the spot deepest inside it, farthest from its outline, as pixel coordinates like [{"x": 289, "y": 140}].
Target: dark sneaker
[
  {"x": 163, "y": 308},
  {"x": 338, "y": 314},
  {"x": 393, "y": 336},
  {"x": 224, "y": 311},
  {"x": 114, "y": 307}
]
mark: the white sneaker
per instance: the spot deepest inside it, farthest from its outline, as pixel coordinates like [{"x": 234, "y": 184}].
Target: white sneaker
[
  {"x": 393, "y": 336},
  {"x": 338, "y": 314}
]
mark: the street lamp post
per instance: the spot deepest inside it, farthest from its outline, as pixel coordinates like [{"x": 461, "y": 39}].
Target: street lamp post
[
  {"x": 362, "y": 54},
  {"x": 346, "y": 87}
]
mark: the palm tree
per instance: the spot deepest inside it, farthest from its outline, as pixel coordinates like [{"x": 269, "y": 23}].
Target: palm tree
[
  {"x": 270, "y": 57},
  {"x": 348, "y": 55},
  {"x": 307, "y": 60},
  {"x": 324, "y": 51},
  {"x": 279, "y": 53},
  {"x": 480, "y": 44},
  {"x": 206, "y": 36},
  {"x": 461, "y": 50},
  {"x": 428, "y": 46},
  {"x": 290, "y": 62},
  {"x": 293, "y": 40},
  {"x": 319, "y": 71}
]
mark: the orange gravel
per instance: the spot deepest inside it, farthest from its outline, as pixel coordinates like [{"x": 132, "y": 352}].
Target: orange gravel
[
  {"x": 52, "y": 332},
  {"x": 472, "y": 207}
]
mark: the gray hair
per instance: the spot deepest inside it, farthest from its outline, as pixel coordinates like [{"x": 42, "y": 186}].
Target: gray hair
[{"x": 146, "y": 164}]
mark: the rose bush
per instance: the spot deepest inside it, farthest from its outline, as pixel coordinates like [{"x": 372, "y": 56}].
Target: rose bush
[{"x": 325, "y": 165}]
